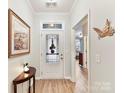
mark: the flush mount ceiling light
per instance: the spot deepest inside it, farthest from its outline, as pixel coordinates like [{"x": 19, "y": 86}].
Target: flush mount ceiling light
[{"x": 51, "y": 3}]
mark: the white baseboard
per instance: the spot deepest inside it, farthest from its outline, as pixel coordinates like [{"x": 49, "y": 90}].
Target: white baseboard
[
  {"x": 72, "y": 79},
  {"x": 52, "y": 76},
  {"x": 67, "y": 78},
  {"x": 44, "y": 77},
  {"x": 38, "y": 78}
]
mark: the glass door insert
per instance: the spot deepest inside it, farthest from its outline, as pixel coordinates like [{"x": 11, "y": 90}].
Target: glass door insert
[{"x": 52, "y": 48}]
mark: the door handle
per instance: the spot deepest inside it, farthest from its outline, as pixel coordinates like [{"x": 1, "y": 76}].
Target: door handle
[{"x": 62, "y": 58}]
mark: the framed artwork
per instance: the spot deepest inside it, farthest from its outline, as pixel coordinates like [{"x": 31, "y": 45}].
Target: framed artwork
[{"x": 18, "y": 35}]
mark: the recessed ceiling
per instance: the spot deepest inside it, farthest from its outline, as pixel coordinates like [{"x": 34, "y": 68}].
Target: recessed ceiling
[{"x": 62, "y": 5}]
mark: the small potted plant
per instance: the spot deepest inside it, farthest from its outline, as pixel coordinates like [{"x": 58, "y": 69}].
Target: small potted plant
[{"x": 26, "y": 68}]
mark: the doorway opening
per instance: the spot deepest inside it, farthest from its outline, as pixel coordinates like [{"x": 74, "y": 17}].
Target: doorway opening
[{"x": 82, "y": 68}]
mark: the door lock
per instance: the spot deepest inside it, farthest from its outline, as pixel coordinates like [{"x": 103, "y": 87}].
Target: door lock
[
  {"x": 61, "y": 54},
  {"x": 62, "y": 58}
]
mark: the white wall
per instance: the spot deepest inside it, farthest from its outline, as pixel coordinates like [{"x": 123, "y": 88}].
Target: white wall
[
  {"x": 101, "y": 73},
  {"x": 15, "y": 64},
  {"x": 53, "y": 17}
]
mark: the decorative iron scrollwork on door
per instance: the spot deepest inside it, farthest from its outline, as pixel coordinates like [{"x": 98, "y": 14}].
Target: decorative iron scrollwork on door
[{"x": 52, "y": 48}]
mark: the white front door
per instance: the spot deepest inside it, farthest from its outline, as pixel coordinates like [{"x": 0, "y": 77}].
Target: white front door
[{"x": 52, "y": 55}]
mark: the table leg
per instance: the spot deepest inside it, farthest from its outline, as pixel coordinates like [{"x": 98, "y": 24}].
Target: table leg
[
  {"x": 15, "y": 88},
  {"x": 33, "y": 84},
  {"x": 29, "y": 90}
]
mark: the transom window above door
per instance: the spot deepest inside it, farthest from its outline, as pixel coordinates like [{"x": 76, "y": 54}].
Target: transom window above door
[{"x": 52, "y": 26}]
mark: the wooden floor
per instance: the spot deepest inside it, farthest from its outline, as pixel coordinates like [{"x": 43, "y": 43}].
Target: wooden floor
[{"x": 64, "y": 86}]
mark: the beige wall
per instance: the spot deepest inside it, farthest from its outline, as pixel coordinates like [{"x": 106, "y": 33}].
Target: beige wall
[
  {"x": 15, "y": 64},
  {"x": 101, "y": 73}
]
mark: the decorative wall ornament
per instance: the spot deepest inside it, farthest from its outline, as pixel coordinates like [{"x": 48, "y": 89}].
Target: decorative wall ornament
[{"x": 108, "y": 30}]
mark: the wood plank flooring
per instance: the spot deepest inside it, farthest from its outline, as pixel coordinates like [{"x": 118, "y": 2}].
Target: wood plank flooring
[
  {"x": 54, "y": 86},
  {"x": 64, "y": 86}
]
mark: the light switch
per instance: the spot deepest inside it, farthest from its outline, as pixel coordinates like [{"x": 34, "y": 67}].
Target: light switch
[{"x": 98, "y": 59}]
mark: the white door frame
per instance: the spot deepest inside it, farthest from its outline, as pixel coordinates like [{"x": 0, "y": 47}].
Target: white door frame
[
  {"x": 41, "y": 33},
  {"x": 73, "y": 67}
]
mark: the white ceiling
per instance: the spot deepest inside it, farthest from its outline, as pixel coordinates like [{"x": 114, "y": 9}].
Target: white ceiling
[{"x": 62, "y": 6}]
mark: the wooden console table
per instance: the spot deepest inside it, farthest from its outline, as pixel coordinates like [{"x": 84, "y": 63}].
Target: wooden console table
[{"x": 25, "y": 77}]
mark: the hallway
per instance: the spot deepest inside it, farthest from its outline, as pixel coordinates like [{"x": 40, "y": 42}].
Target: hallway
[
  {"x": 42, "y": 34},
  {"x": 65, "y": 86}
]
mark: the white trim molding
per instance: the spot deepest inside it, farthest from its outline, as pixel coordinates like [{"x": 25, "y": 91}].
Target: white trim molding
[
  {"x": 38, "y": 78},
  {"x": 67, "y": 78}
]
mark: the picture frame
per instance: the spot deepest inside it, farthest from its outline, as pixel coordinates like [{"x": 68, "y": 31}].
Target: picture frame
[{"x": 18, "y": 35}]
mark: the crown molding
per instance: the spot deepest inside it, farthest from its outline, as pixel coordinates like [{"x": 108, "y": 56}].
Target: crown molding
[{"x": 52, "y": 13}]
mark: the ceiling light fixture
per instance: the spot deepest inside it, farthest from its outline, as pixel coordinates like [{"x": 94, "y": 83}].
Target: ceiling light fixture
[{"x": 51, "y": 3}]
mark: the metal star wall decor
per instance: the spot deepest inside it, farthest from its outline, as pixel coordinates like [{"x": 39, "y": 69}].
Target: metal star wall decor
[{"x": 108, "y": 30}]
